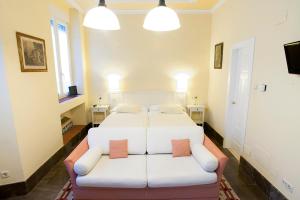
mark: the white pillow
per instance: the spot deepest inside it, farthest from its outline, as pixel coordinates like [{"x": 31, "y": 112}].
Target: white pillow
[
  {"x": 126, "y": 108},
  {"x": 87, "y": 161},
  {"x": 205, "y": 158},
  {"x": 136, "y": 136},
  {"x": 171, "y": 109},
  {"x": 159, "y": 138}
]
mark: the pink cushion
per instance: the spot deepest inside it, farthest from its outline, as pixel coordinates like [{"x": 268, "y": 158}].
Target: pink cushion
[
  {"x": 181, "y": 148},
  {"x": 118, "y": 149}
]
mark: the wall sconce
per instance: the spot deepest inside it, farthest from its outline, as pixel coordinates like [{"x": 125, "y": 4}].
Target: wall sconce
[
  {"x": 114, "y": 83},
  {"x": 182, "y": 83}
]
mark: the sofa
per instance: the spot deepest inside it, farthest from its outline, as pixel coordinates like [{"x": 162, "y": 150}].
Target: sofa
[{"x": 150, "y": 171}]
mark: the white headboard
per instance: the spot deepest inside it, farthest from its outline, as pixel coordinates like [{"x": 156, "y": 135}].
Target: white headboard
[{"x": 148, "y": 98}]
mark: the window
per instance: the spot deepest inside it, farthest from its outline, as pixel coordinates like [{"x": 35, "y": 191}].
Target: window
[{"x": 61, "y": 49}]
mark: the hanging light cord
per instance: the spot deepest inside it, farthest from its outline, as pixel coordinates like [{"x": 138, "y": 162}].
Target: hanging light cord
[
  {"x": 102, "y": 3},
  {"x": 162, "y": 3}
]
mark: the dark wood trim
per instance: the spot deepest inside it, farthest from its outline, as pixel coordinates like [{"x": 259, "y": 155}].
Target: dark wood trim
[
  {"x": 44, "y": 169},
  {"x": 246, "y": 169},
  {"x": 13, "y": 189},
  {"x": 23, "y": 188},
  {"x": 212, "y": 134}
]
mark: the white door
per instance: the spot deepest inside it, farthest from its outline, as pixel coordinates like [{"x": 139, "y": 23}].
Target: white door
[{"x": 238, "y": 95}]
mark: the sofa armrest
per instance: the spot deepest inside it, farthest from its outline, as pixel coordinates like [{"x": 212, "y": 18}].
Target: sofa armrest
[
  {"x": 73, "y": 157},
  {"x": 222, "y": 158}
]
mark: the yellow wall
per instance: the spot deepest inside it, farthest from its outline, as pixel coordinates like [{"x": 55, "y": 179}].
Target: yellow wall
[
  {"x": 33, "y": 95},
  {"x": 8, "y": 142},
  {"x": 272, "y": 135},
  {"x": 31, "y": 131},
  {"x": 150, "y": 60}
]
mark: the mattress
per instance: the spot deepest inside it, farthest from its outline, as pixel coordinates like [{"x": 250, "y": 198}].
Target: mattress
[
  {"x": 126, "y": 120},
  {"x": 157, "y": 119}
]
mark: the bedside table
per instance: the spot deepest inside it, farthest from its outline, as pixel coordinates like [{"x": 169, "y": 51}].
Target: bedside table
[
  {"x": 99, "y": 109},
  {"x": 197, "y": 109}
]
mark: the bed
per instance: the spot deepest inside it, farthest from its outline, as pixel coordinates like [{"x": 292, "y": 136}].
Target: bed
[
  {"x": 170, "y": 115},
  {"x": 115, "y": 119},
  {"x": 157, "y": 119},
  {"x": 156, "y": 109},
  {"x": 133, "y": 116}
]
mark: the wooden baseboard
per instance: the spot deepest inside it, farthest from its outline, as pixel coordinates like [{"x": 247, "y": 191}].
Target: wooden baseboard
[
  {"x": 23, "y": 188},
  {"x": 212, "y": 134},
  {"x": 257, "y": 178}
]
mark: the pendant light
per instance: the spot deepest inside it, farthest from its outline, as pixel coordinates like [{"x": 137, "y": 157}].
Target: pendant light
[
  {"x": 101, "y": 18},
  {"x": 162, "y": 18}
]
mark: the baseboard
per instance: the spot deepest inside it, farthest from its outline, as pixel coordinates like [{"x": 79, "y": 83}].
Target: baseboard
[
  {"x": 213, "y": 134},
  {"x": 23, "y": 188},
  {"x": 252, "y": 174}
]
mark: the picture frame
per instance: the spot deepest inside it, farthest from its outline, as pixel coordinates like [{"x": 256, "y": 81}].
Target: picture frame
[
  {"x": 218, "y": 62},
  {"x": 32, "y": 53}
]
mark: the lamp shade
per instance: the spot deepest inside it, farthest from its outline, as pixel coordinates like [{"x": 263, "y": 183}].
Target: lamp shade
[
  {"x": 182, "y": 83},
  {"x": 114, "y": 83},
  {"x": 101, "y": 18},
  {"x": 162, "y": 18}
]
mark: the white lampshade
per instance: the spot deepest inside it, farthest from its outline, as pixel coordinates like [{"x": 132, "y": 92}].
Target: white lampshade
[
  {"x": 182, "y": 83},
  {"x": 114, "y": 83},
  {"x": 101, "y": 18},
  {"x": 162, "y": 18}
]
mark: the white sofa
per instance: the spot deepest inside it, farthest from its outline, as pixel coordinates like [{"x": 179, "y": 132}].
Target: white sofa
[{"x": 150, "y": 164}]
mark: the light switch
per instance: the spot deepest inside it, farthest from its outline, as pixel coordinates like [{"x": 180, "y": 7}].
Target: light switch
[{"x": 261, "y": 88}]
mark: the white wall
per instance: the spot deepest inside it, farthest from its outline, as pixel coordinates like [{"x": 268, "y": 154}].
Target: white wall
[
  {"x": 78, "y": 61},
  {"x": 148, "y": 60},
  {"x": 272, "y": 133},
  {"x": 76, "y": 51},
  {"x": 8, "y": 142}
]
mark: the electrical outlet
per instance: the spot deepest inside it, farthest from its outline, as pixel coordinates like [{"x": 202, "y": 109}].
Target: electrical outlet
[
  {"x": 4, "y": 174},
  {"x": 288, "y": 186}
]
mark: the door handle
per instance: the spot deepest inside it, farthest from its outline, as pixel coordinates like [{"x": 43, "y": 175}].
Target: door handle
[{"x": 233, "y": 102}]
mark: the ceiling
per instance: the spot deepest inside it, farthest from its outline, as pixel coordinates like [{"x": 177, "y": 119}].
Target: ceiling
[{"x": 147, "y": 4}]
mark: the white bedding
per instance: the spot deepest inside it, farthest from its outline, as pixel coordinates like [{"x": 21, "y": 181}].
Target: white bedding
[
  {"x": 157, "y": 119},
  {"x": 126, "y": 120}
]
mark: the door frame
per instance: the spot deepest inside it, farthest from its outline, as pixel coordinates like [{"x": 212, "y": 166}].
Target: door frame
[{"x": 251, "y": 44}]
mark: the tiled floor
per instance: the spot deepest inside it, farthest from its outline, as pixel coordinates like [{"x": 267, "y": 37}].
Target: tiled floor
[{"x": 51, "y": 184}]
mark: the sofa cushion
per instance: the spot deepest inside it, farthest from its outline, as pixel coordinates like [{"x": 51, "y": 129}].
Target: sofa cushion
[
  {"x": 181, "y": 148},
  {"x": 117, "y": 173},
  {"x": 118, "y": 149},
  {"x": 159, "y": 138},
  {"x": 205, "y": 158},
  {"x": 166, "y": 171},
  {"x": 100, "y": 137},
  {"x": 87, "y": 161}
]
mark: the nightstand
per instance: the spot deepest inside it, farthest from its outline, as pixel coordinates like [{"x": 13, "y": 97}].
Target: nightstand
[
  {"x": 99, "y": 109},
  {"x": 197, "y": 109}
]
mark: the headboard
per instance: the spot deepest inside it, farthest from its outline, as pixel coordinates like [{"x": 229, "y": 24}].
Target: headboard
[{"x": 147, "y": 98}]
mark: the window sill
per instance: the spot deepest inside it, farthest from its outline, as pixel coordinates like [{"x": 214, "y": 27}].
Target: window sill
[
  {"x": 68, "y": 103},
  {"x": 67, "y": 98}
]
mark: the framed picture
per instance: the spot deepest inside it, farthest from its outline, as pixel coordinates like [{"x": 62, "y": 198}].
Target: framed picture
[
  {"x": 32, "y": 53},
  {"x": 218, "y": 56}
]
